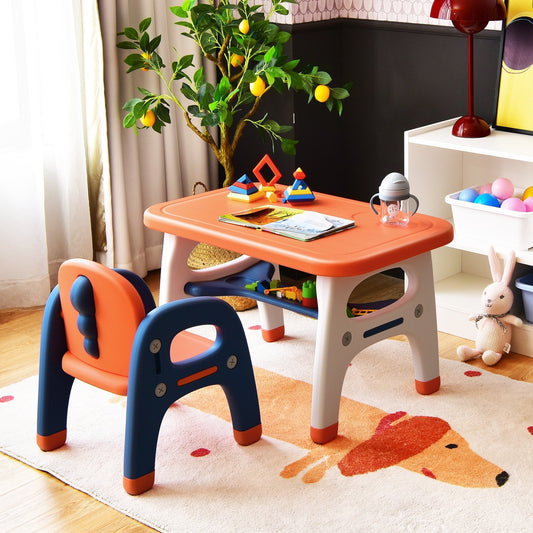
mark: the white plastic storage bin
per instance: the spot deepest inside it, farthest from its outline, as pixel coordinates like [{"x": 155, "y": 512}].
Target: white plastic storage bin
[{"x": 491, "y": 225}]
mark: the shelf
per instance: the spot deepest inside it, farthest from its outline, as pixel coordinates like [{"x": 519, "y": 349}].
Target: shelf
[
  {"x": 438, "y": 164},
  {"x": 524, "y": 257},
  {"x": 504, "y": 144}
]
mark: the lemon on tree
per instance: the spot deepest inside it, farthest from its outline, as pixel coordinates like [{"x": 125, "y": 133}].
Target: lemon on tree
[
  {"x": 322, "y": 93},
  {"x": 244, "y": 27},
  {"x": 148, "y": 56},
  {"x": 148, "y": 119},
  {"x": 236, "y": 60},
  {"x": 258, "y": 87}
]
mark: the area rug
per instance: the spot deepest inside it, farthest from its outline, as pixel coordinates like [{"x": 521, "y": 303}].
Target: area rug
[{"x": 458, "y": 460}]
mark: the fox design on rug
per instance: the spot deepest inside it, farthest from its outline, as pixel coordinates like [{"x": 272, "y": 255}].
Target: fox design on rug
[{"x": 371, "y": 439}]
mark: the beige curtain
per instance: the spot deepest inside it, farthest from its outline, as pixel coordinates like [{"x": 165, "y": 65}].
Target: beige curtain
[{"x": 149, "y": 168}]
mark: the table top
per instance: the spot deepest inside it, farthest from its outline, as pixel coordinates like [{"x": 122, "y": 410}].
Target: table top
[{"x": 368, "y": 246}]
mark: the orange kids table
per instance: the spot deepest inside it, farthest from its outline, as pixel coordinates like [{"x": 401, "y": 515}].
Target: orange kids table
[{"x": 340, "y": 262}]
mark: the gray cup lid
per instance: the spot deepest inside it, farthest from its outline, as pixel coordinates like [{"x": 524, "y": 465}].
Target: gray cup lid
[{"x": 394, "y": 187}]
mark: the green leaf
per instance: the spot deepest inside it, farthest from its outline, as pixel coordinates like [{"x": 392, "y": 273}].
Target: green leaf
[
  {"x": 127, "y": 45},
  {"x": 162, "y": 112},
  {"x": 128, "y": 106},
  {"x": 281, "y": 10},
  {"x": 249, "y": 76},
  {"x": 289, "y": 146},
  {"x": 205, "y": 95},
  {"x": 145, "y": 24},
  {"x": 179, "y": 12},
  {"x": 211, "y": 119},
  {"x": 145, "y": 41},
  {"x": 322, "y": 78},
  {"x": 269, "y": 55},
  {"x": 282, "y": 37},
  {"x": 186, "y": 61},
  {"x": 223, "y": 88},
  {"x": 154, "y": 43},
  {"x": 189, "y": 93},
  {"x": 291, "y": 65},
  {"x": 131, "y": 33},
  {"x": 134, "y": 60},
  {"x": 339, "y": 93},
  {"x": 129, "y": 120},
  {"x": 199, "y": 77}
]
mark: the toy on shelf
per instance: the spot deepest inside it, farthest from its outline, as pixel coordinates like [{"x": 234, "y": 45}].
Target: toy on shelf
[
  {"x": 494, "y": 321},
  {"x": 298, "y": 192},
  {"x": 306, "y": 295},
  {"x": 500, "y": 193}
]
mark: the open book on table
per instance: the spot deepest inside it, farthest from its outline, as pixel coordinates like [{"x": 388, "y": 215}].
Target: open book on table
[{"x": 288, "y": 221}]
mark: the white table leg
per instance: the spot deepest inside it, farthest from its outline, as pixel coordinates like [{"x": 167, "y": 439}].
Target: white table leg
[{"x": 340, "y": 338}]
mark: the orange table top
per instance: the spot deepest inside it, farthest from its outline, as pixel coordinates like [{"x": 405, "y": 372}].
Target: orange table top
[{"x": 368, "y": 246}]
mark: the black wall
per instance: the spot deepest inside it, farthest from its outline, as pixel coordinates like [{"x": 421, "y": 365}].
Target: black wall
[{"x": 404, "y": 76}]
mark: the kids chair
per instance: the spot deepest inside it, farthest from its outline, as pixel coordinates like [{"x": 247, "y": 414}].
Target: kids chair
[{"x": 102, "y": 326}]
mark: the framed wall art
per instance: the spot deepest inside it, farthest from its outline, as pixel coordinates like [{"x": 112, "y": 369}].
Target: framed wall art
[{"x": 514, "y": 107}]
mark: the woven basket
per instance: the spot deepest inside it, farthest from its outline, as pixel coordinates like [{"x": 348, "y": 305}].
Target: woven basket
[{"x": 206, "y": 255}]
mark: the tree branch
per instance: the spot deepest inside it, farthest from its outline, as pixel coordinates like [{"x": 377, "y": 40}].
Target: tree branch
[
  {"x": 205, "y": 136},
  {"x": 242, "y": 123}
]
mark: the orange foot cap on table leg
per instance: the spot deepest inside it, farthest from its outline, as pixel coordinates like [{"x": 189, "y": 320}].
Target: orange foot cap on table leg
[
  {"x": 321, "y": 436},
  {"x": 271, "y": 335},
  {"x": 428, "y": 387}
]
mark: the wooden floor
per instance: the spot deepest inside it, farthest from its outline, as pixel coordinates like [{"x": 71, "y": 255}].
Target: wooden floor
[{"x": 35, "y": 501}]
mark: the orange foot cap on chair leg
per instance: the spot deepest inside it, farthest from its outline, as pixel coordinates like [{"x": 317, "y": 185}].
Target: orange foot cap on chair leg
[
  {"x": 321, "y": 436},
  {"x": 249, "y": 436},
  {"x": 271, "y": 335},
  {"x": 48, "y": 443},
  {"x": 138, "y": 485},
  {"x": 428, "y": 387}
]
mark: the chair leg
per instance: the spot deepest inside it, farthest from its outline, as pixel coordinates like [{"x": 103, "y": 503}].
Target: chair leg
[
  {"x": 144, "y": 415},
  {"x": 243, "y": 402},
  {"x": 54, "y": 384}
]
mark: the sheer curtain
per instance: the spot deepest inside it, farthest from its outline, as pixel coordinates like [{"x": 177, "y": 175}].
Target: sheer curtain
[
  {"x": 148, "y": 168},
  {"x": 52, "y": 142},
  {"x": 75, "y": 183}
]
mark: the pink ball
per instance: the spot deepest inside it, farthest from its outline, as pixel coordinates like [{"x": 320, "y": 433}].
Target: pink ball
[
  {"x": 528, "y": 202},
  {"x": 486, "y": 189},
  {"x": 514, "y": 204},
  {"x": 502, "y": 188}
]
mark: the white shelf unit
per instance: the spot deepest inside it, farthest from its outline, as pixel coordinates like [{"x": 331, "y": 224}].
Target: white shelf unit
[{"x": 437, "y": 164}]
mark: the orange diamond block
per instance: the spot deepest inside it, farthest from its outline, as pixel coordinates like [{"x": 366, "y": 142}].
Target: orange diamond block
[{"x": 257, "y": 171}]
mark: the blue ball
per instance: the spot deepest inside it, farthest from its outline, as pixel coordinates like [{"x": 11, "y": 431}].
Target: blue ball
[
  {"x": 468, "y": 195},
  {"x": 487, "y": 199}
]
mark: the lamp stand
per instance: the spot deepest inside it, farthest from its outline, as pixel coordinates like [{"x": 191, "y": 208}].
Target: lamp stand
[{"x": 470, "y": 125}]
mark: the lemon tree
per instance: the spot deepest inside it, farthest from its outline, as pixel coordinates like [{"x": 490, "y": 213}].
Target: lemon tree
[{"x": 248, "y": 51}]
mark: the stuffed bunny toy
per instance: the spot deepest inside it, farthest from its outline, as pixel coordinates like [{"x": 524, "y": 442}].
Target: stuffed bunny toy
[{"x": 494, "y": 322}]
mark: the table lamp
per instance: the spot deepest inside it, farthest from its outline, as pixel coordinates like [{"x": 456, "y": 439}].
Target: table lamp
[{"x": 470, "y": 17}]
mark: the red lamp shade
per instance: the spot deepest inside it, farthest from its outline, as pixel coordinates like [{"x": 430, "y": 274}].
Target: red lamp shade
[
  {"x": 469, "y": 16},
  {"x": 468, "y": 10}
]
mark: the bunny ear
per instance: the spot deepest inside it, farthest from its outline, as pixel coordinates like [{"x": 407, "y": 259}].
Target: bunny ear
[
  {"x": 495, "y": 267},
  {"x": 509, "y": 267}
]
